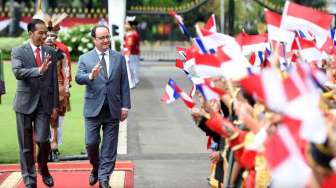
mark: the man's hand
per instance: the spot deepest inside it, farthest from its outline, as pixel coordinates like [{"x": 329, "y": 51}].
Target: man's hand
[
  {"x": 95, "y": 71},
  {"x": 215, "y": 157},
  {"x": 123, "y": 115},
  {"x": 45, "y": 65},
  {"x": 196, "y": 114},
  {"x": 54, "y": 115}
]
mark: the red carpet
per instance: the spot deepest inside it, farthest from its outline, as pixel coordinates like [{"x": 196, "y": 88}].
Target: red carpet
[{"x": 69, "y": 175}]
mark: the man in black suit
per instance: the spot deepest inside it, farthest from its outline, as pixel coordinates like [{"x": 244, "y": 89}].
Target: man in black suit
[{"x": 36, "y": 101}]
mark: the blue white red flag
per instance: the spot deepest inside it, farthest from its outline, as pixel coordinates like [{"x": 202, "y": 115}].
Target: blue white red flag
[
  {"x": 170, "y": 94},
  {"x": 174, "y": 92},
  {"x": 180, "y": 22},
  {"x": 333, "y": 35}
]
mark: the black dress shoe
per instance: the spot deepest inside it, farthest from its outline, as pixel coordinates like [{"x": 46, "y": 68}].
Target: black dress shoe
[
  {"x": 31, "y": 186},
  {"x": 104, "y": 184},
  {"x": 48, "y": 180},
  {"x": 93, "y": 177}
]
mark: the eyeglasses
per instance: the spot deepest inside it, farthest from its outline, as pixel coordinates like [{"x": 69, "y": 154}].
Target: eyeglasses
[{"x": 108, "y": 37}]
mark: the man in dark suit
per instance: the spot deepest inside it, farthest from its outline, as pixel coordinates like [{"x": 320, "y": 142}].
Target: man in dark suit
[
  {"x": 36, "y": 100},
  {"x": 107, "y": 100}
]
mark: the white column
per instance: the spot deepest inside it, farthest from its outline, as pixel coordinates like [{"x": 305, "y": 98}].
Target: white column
[
  {"x": 222, "y": 10},
  {"x": 116, "y": 15}
]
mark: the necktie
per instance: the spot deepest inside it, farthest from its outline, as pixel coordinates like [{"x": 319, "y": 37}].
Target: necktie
[
  {"x": 103, "y": 64},
  {"x": 38, "y": 57}
]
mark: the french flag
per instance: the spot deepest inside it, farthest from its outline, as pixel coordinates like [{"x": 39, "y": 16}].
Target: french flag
[
  {"x": 275, "y": 33},
  {"x": 207, "y": 92},
  {"x": 257, "y": 58},
  {"x": 170, "y": 94},
  {"x": 173, "y": 92},
  {"x": 207, "y": 88},
  {"x": 199, "y": 43},
  {"x": 252, "y": 43},
  {"x": 307, "y": 49},
  {"x": 333, "y": 35},
  {"x": 296, "y": 17},
  {"x": 180, "y": 22}
]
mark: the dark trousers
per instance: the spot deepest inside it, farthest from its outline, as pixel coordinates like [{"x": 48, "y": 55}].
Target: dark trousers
[
  {"x": 37, "y": 122},
  {"x": 104, "y": 161}
]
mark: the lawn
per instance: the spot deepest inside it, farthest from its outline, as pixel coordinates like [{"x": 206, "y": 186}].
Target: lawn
[{"x": 73, "y": 139}]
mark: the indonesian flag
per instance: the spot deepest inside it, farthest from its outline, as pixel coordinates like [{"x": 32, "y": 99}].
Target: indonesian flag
[
  {"x": 252, "y": 43},
  {"x": 267, "y": 87},
  {"x": 173, "y": 92},
  {"x": 219, "y": 64},
  {"x": 181, "y": 51},
  {"x": 188, "y": 58},
  {"x": 208, "y": 65},
  {"x": 329, "y": 46},
  {"x": 210, "y": 26},
  {"x": 192, "y": 91},
  {"x": 304, "y": 103},
  {"x": 295, "y": 96},
  {"x": 284, "y": 157},
  {"x": 305, "y": 34},
  {"x": 275, "y": 33},
  {"x": 298, "y": 17},
  {"x": 179, "y": 64},
  {"x": 276, "y": 92},
  {"x": 307, "y": 49}
]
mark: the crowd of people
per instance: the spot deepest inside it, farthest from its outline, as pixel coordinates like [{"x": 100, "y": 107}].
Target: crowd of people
[{"x": 270, "y": 120}]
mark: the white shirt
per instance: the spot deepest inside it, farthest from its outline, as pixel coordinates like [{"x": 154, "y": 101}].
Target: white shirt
[
  {"x": 107, "y": 59},
  {"x": 34, "y": 50}
]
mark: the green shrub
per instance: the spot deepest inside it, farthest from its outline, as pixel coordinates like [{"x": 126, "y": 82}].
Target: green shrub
[
  {"x": 7, "y": 43},
  {"x": 78, "y": 39}
]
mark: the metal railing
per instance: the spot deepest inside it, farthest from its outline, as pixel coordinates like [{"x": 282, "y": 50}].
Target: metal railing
[{"x": 160, "y": 51}]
